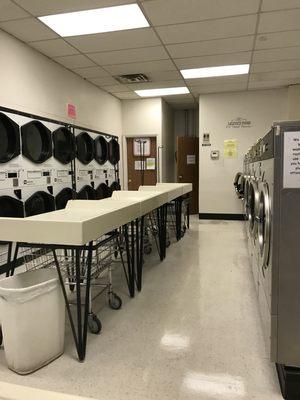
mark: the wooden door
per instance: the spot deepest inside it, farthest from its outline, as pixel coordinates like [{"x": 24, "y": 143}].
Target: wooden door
[
  {"x": 187, "y": 156},
  {"x": 144, "y": 176}
]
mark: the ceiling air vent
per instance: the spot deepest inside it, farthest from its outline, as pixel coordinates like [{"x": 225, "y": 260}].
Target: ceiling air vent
[{"x": 132, "y": 78}]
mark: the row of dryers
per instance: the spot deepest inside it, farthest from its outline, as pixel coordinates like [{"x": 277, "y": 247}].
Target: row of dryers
[
  {"x": 269, "y": 187},
  {"x": 43, "y": 164}
]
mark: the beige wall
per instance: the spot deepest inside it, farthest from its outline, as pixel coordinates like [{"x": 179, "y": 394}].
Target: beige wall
[
  {"x": 216, "y": 194},
  {"x": 33, "y": 83},
  {"x": 168, "y": 143},
  {"x": 294, "y": 102}
]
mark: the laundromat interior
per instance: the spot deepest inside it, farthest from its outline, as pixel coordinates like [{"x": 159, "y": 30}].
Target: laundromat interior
[{"x": 149, "y": 199}]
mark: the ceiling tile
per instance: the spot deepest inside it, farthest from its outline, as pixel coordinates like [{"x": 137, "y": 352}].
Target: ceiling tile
[
  {"x": 289, "y": 53},
  {"x": 9, "y": 10},
  {"x": 115, "y": 40},
  {"x": 127, "y": 56},
  {"x": 215, "y": 29},
  {"x": 103, "y": 81},
  {"x": 116, "y": 88},
  {"x": 158, "y": 85},
  {"x": 91, "y": 72},
  {"x": 290, "y": 76},
  {"x": 45, "y": 7},
  {"x": 270, "y": 5},
  {"x": 28, "y": 29},
  {"x": 276, "y": 21},
  {"x": 163, "y": 12},
  {"x": 75, "y": 61},
  {"x": 278, "y": 39},
  {"x": 143, "y": 67},
  {"x": 210, "y": 61},
  {"x": 54, "y": 47},
  {"x": 267, "y": 85},
  {"x": 127, "y": 96},
  {"x": 209, "y": 47},
  {"x": 164, "y": 75},
  {"x": 230, "y": 87},
  {"x": 276, "y": 66}
]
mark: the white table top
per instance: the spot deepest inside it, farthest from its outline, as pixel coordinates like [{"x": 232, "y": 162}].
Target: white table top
[
  {"x": 149, "y": 200},
  {"x": 171, "y": 193}
]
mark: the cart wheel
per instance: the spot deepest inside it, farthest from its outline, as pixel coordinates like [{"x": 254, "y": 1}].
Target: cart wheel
[
  {"x": 1, "y": 336},
  {"x": 115, "y": 302},
  {"x": 94, "y": 324},
  {"x": 168, "y": 243},
  {"x": 71, "y": 287},
  {"x": 148, "y": 250}
]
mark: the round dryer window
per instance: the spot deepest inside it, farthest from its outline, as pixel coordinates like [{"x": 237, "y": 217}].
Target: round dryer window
[
  {"x": 36, "y": 142},
  {"x": 87, "y": 193},
  {"x": 113, "y": 152},
  {"x": 103, "y": 191},
  {"x": 9, "y": 139},
  {"x": 62, "y": 198},
  {"x": 39, "y": 203},
  {"x": 264, "y": 224},
  {"x": 101, "y": 150},
  {"x": 64, "y": 145},
  {"x": 85, "y": 148},
  {"x": 11, "y": 207}
]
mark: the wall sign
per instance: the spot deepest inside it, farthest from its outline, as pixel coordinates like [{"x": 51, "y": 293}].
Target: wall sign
[
  {"x": 230, "y": 148},
  {"x": 150, "y": 163},
  {"x": 291, "y": 157},
  {"x": 206, "y": 139},
  {"x": 191, "y": 159},
  {"x": 71, "y": 110},
  {"x": 239, "y": 123}
]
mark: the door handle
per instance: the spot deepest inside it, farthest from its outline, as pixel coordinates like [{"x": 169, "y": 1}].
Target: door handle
[
  {"x": 129, "y": 180},
  {"x": 180, "y": 177}
]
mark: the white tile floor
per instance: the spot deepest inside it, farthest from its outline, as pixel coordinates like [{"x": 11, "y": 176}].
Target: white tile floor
[{"x": 193, "y": 333}]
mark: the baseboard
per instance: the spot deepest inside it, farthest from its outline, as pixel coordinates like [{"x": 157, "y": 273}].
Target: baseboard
[{"x": 228, "y": 217}]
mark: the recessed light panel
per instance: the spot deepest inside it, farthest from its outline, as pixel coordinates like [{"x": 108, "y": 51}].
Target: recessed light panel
[
  {"x": 162, "y": 92},
  {"x": 210, "y": 72},
  {"x": 87, "y": 22}
]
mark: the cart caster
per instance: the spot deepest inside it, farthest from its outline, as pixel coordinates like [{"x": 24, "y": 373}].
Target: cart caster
[
  {"x": 1, "y": 336},
  {"x": 94, "y": 324},
  {"x": 71, "y": 287},
  {"x": 168, "y": 243},
  {"x": 115, "y": 302},
  {"x": 148, "y": 250}
]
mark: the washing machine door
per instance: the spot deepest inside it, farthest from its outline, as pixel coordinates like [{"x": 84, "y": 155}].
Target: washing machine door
[
  {"x": 87, "y": 193},
  {"x": 246, "y": 194},
  {"x": 101, "y": 150},
  {"x": 113, "y": 151},
  {"x": 64, "y": 145},
  {"x": 253, "y": 205},
  {"x": 85, "y": 148},
  {"x": 11, "y": 207},
  {"x": 264, "y": 224},
  {"x": 36, "y": 142},
  {"x": 103, "y": 191},
  {"x": 62, "y": 198},
  {"x": 39, "y": 203},
  {"x": 9, "y": 139}
]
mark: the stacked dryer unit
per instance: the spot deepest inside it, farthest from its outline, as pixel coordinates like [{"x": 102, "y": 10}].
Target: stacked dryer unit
[{"x": 272, "y": 204}]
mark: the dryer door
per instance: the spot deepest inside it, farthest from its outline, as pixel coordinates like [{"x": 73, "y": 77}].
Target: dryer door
[
  {"x": 113, "y": 151},
  {"x": 36, "y": 142},
  {"x": 9, "y": 139},
  {"x": 64, "y": 145},
  {"x": 264, "y": 224},
  {"x": 101, "y": 150},
  {"x": 87, "y": 193},
  {"x": 85, "y": 148}
]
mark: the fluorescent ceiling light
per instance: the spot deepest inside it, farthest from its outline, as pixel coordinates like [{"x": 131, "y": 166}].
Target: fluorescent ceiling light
[
  {"x": 209, "y": 72},
  {"x": 106, "y": 19},
  {"x": 162, "y": 92}
]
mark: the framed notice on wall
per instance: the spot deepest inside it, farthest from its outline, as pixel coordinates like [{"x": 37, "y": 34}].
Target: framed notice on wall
[{"x": 141, "y": 147}]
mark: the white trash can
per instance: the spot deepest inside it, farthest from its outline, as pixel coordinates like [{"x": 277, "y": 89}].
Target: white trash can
[{"x": 32, "y": 313}]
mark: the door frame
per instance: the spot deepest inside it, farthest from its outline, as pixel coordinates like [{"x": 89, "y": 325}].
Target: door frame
[{"x": 125, "y": 167}]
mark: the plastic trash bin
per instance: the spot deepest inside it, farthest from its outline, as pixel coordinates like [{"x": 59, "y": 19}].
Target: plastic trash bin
[{"x": 32, "y": 313}]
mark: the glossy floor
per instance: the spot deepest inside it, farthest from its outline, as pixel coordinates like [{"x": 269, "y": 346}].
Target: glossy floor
[{"x": 193, "y": 333}]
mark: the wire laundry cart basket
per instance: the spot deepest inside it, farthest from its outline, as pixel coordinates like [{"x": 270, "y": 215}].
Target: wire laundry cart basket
[{"x": 102, "y": 265}]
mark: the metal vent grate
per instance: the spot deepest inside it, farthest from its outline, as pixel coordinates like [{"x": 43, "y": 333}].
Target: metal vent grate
[{"x": 132, "y": 78}]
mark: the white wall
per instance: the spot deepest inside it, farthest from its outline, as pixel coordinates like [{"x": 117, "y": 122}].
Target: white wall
[
  {"x": 168, "y": 143},
  {"x": 33, "y": 83},
  {"x": 294, "y": 102},
  {"x": 216, "y": 194}
]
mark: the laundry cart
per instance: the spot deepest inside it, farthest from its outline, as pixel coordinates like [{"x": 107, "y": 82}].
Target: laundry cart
[{"x": 102, "y": 266}]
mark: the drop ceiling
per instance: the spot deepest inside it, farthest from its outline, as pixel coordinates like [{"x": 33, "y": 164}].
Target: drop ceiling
[{"x": 182, "y": 34}]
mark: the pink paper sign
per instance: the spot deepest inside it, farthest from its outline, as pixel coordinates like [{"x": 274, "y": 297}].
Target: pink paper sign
[{"x": 71, "y": 111}]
